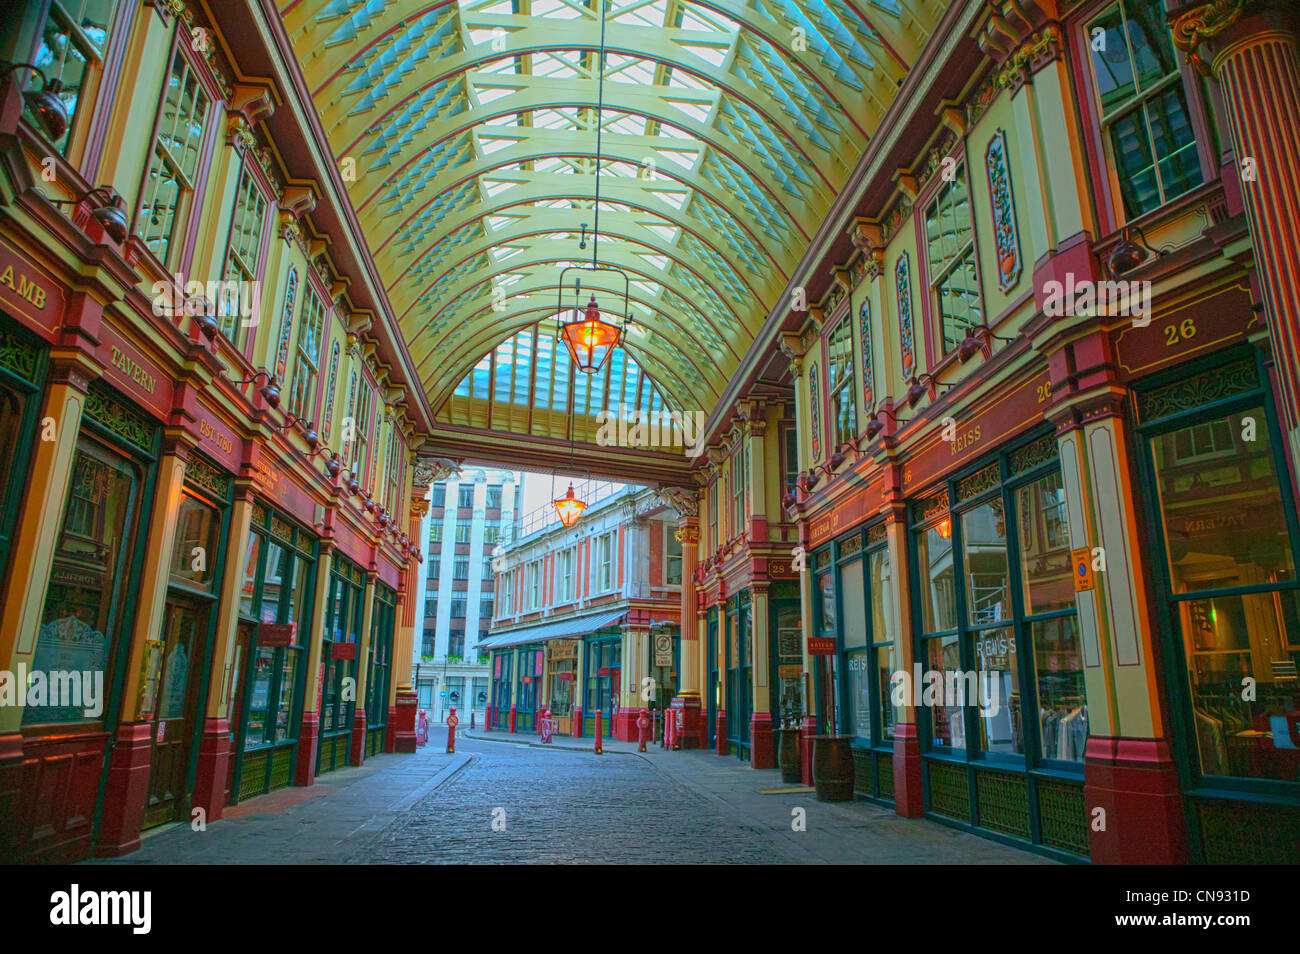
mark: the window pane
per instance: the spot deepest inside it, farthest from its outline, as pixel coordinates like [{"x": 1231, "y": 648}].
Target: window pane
[
  {"x": 859, "y": 688},
  {"x": 1062, "y": 703},
  {"x": 826, "y": 586},
  {"x": 934, "y": 562},
  {"x": 1171, "y": 131},
  {"x": 946, "y": 722},
  {"x": 1134, "y": 165},
  {"x": 194, "y": 553},
  {"x": 246, "y": 592},
  {"x": 1046, "y": 580},
  {"x": 886, "y": 666},
  {"x": 1221, "y": 507},
  {"x": 988, "y": 576},
  {"x": 259, "y": 698},
  {"x": 87, "y": 584},
  {"x": 999, "y": 692},
  {"x": 853, "y": 598},
  {"x": 1227, "y": 640}
]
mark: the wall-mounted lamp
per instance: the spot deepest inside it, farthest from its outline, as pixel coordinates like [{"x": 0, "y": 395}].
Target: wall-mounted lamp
[
  {"x": 877, "y": 425},
  {"x": 1128, "y": 254},
  {"x": 270, "y": 391},
  {"x": 46, "y": 104},
  {"x": 978, "y": 338},
  {"x": 917, "y": 390},
  {"x": 109, "y": 213}
]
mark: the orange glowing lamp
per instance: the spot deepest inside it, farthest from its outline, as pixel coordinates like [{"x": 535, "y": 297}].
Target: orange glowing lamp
[
  {"x": 945, "y": 527},
  {"x": 590, "y": 340},
  {"x": 569, "y": 507}
]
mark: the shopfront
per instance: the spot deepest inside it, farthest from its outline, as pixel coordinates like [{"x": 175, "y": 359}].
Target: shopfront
[
  {"x": 855, "y": 602},
  {"x": 664, "y": 652},
  {"x": 714, "y": 691},
  {"x": 383, "y": 624},
  {"x": 604, "y": 661},
  {"x": 1224, "y": 547},
  {"x": 532, "y": 667},
  {"x": 502, "y": 694},
  {"x": 90, "y": 604},
  {"x": 344, "y": 611},
  {"x": 562, "y": 665},
  {"x": 273, "y": 633},
  {"x": 178, "y": 661},
  {"x": 739, "y": 666},
  {"x": 1004, "y": 730}
]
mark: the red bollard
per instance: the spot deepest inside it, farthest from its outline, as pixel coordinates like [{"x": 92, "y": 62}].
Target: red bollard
[
  {"x": 599, "y": 750},
  {"x": 487, "y": 720},
  {"x": 452, "y": 722},
  {"x": 471, "y": 718},
  {"x": 643, "y": 733}
]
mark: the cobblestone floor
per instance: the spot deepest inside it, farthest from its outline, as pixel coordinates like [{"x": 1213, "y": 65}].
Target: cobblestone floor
[{"x": 494, "y": 802}]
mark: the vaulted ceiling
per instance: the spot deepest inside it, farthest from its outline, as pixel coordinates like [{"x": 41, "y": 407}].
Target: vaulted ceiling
[{"x": 466, "y": 131}]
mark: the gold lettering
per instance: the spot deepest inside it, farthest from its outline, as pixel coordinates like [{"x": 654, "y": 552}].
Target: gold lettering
[
  {"x": 7, "y": 277},
  {"x": 27, "y": 289}
]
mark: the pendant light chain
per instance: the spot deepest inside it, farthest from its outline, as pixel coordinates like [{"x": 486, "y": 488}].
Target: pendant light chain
[{"x": 600, "y": 114}]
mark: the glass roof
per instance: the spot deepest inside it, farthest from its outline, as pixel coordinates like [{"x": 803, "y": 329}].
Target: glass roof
[{"x": 726, "y": 131}]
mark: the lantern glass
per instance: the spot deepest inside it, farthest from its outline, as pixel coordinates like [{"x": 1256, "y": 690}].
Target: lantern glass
[
  {"x": 589, "y": 339},
  {"x": 569, "y": 508}
]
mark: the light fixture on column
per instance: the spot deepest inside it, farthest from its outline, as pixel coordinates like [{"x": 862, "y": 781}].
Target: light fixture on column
[
  {"x": 877, "y": 425},
  {"x": 917, "y": 390},
  {"x": 110, "y": 213},
  {"x": 978, "y": 337},
  {"x": 1128, "y": 254},
  {"x": 46, "y": 105},
  {"x": 270, "y": 391},
  {"x": 587, "y": 336}
]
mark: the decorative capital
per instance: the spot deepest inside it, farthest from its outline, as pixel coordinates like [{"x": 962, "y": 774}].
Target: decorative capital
[
  {"x": 429, "y": 470},
  {"x": 1193, "y": 26},
  {"x": 687, "y": 534},
  {"x": 685, "y": 500}
]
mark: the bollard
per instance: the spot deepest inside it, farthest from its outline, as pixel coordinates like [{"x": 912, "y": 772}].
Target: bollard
[
  {"x": 452, "y": 722},
  {"x": 471, "y": 718},
  {"x": 643, "y": 726},
  {"x": 599, "y": 750}
]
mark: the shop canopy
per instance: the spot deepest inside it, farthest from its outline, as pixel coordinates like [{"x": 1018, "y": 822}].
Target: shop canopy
[{"x": 561, "y": 629}]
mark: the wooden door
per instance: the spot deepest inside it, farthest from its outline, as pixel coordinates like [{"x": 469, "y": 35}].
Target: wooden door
[{"x": 174, "y": 715}]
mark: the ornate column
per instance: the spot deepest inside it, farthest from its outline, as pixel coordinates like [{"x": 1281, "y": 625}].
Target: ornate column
[
  {"x": 686, "y": 705},
  {"x": 357, "y": 748},
  {"x": 127, "y": 788},
  {"x": 1249, "y": 47},
  {"x": 309, "y": 733},
  {"x": 215, "y": 747}
]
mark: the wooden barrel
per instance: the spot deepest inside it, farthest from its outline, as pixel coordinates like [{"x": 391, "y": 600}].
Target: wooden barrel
[
  {"x": 832, "y": 765},
  {"x": 788, "y": 755}
]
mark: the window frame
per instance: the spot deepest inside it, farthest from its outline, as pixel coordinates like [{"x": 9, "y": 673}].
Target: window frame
[
  {"x": 250, "y": 173},
  {"x": 933, "y": 313}
]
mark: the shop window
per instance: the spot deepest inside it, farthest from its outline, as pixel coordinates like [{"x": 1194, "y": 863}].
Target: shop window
[
  {"x": 169, "y": 188},
  {"x": 89, "y": 581},
  {"x": 857, "y": 653},
  {"x": 242, "y": 250},
  {"x": 883, "y": 640},
  {"x": 950, "y": 255},
  {"x": 839, "y": 384},
  {"x": 195, "y": 551},
  {"x": 672, "y": 558},
  {"x": 1229, "y": 558},
  {"x": 1144, "y": 115},
  {"x": 18, "y": 418},
  {"x": 71, "y": 50},
  {"x": 311, "y": 327}
]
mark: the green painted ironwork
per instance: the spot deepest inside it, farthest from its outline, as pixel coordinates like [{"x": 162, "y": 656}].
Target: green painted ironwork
[
  {"x": 1239, "y": 377},
  {"x": 120, "y": 419},
  {"x": 949, "y": 790},
  {"x": 1003, "y": 802},
  {"x": 1062, "y": 816},
  {"x": 885, "y": 775},
  {"x": 19, "y": 355},
  {"x": 1234, "y": 833}
]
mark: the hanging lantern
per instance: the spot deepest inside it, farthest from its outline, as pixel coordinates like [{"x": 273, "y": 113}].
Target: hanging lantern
[
  {"x": 945, "y": 527},
  {"x": 569, "y": 507},
  {"x": 589, "y": 339}
]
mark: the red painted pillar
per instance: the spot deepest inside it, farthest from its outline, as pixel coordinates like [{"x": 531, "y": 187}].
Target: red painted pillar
[
  {"x": 390, "y": 730},
  {"x": 408, "y": 704},
  {"x": 512, "y": 718},
  {"x": 720, "y": 742},
  {"x": 1135, "y": 784},
  {"x": 126, "y": 791},
  {"x": 1254, "y": 58},
  {"x": 487, "y": 723},
  {"x": 576, "y": 728},
  {"x": 598, "y": 749},
  {"x": 212, "y": 774},
  {"x": 807, "y": 731},
  {"x": 909, "y": 799},
  {"x": 304, "y": 772},
  {"x": 762, "y": 745},
  {"x": 357, "y": 744}
]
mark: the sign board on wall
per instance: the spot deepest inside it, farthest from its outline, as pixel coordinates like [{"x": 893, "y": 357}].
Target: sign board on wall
[
  {"x": 663, "y": 650},
  {"x": 821, "y": 646},
  {"x": 276, "y": 634}
]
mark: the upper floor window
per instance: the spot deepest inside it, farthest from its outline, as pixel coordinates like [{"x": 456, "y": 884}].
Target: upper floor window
[
  {"x": 950, "y": 254},
  {"x": 435, "y": 533},
  {"x": 839, "y": 383},
  {"x": 361, "y": 441},
  {"x": 242, "y": 250},
  {"x": 71, "y": 50},
  {"x": 465, "y": 497},
  {"x": 491, "y": 530},
  {"x": 463, "y": 531},
  {"x": 564, "y": 571},
  {"x": 168, "y": 194},
  {"x": 605, "y": 563},
  {"x": 672, "y": 558},
  {"x": 534, "y": 585},
  {"x": 311, "y": 326},
  {"x": 508, "y": 593},
  {"x": 460, "y": 569},
  {"x": 713, "y": 515},
  {"x": 1144, "y": 116},
  {"x": 739, "y": 464},
  {"x": 494, "y": 498},
  {"x": 790, "y": 465},
  {"x": 439, "y": 495},
  {"x": 487, "y": 570}
]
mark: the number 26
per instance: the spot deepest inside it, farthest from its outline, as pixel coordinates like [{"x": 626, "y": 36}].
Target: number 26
[{"x": 1180, "y": 332}]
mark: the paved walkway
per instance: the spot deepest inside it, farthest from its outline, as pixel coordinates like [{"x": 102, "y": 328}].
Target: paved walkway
[{"x": 511, "y": 800}]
